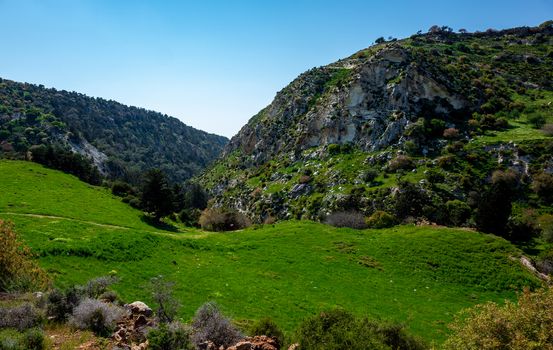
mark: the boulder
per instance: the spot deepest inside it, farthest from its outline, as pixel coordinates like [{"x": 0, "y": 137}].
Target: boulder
[{"x": 139, "y": 307}]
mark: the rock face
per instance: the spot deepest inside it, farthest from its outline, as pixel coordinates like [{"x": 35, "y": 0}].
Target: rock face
[
  {"x": 329, "y": 140},
  {"x": 365, "y": 102}
]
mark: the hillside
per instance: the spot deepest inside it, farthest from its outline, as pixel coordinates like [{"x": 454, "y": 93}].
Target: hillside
[
  {"x": 421, "y": 276},
  {"x": 440, "y": 110},
  {"x": 121, "y": 141}
]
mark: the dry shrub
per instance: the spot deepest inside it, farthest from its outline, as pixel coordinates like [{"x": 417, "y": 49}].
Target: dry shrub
[
  {"x": 223, "y": 220},
  {"x": 451, "y": 133},
  {"x": 209, "y": 324},
  {"x": 18, "y": 270},
  {"x": 548, "y": 129},
  {"x": 21, "y": 317},
  {"x": 351, "y": 219},
  {"x": 96, "y": 316},
  {"x": 526, "y": 324},
  {"x": 401, "y": 162}
]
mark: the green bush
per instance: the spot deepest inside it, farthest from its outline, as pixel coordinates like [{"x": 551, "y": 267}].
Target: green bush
[
  {"x": 458, "y": 212},
  {"x": 537, "y": 120},
  {"x": 524, "y": 325},
  {"x": 33, "y": 339},
  {"x": 338, "y": 329},
  {"x": 266, "y": 326},
  {"x": 170, "y": 336},
  {"x": 381, "y": 219}
]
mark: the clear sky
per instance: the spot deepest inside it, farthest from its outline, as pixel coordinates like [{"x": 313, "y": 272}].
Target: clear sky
[{"x": 214, "y": 64}]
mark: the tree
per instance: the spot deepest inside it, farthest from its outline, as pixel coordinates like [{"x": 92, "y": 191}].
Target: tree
[
  {"x": 157, "y": 197},
  {"x": 380, "y": 40},
  {"x": 495, "y": 206}
]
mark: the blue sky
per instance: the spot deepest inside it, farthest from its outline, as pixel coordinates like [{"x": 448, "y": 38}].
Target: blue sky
[{"x": 214, "y": 64}]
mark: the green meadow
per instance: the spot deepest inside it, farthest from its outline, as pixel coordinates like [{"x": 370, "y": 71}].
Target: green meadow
[{"x": 420, "y": 276}]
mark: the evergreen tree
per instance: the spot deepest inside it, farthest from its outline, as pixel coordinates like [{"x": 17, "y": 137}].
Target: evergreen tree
[{"x": 157, "y": 196}]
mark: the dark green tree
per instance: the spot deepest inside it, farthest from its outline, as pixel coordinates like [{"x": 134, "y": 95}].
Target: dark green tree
[{"x": 157, "y": 196}]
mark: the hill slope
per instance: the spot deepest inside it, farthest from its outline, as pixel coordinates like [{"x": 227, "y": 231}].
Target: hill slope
[
  {"x": 418, "y": 275},
  {"x": 122, "y": 141},
  {"x": 454, "y": 105}
]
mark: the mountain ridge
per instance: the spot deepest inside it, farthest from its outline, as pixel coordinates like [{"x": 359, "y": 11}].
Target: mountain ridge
[{"x": 122, "y": 141}]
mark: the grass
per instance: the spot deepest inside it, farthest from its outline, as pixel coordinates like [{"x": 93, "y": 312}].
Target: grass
[{"x": 420, "y": 276}]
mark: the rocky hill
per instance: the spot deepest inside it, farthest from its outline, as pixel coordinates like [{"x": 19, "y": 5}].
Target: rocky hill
[
  {"x": 440, "y": 110},
  {"x": 121, "y": 141}
]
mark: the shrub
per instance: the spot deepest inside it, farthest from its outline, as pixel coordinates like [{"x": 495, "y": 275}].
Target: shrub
[
  {"x": 18, "y": 272},
  {"x": 369, "y": 175},
  {"x": 20, "y": 317},
  {"x": 170, "y": 336},
  {"x": 210, "y": 325},
  {"x": 522, "y": 226},
  {"x": 190, "y": 216},
  {"x": 548, "y": 129},
  {"x": 121, "y": 189},
  {"x": 98, "y": 286},
  {"x": 33, "y": 339},
  {"x": 401, "y": 162},
  {"x": 537, "y": 120},
  {"x": 409, "y": 200},
  {"x": 458, "y": 212},
  {"x": 223, "y": 220},
  {"x": 96, "y": 316},
  {"x": 543, "y": 186},
  {"x": 338, "y": 329},
  {"x": 546, "y": 225},
  {"x": 162, "y": 294},
  {"x": 351, "y": 219},
  {"x": 523, "y": 325},
  {"x": 381, "y": 219},
  {"x": 59, "y": 305},
  {"x": 544, "y": 262},
  {"x": 266, "y": 326},
  {"x": 451, "y": 133}
]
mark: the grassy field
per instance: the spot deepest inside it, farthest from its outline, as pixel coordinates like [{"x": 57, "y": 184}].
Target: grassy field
[{"x": 420, "y": 276}]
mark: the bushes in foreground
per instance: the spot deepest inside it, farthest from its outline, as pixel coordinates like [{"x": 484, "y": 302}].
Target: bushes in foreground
[
  {"x": 209, "y": 324},
  {"x": 32, "y": 339},
  {"x": 18, "y": 271},
  {"x": 339, "y": 329},
  {"x": 97, "y": 316},
  {"x": 21, "y": 317},
  {"x": 526, "y": 324}
]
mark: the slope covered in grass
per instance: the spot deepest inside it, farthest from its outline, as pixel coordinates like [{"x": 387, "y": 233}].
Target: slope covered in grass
[{"x": 420, "y": 276}]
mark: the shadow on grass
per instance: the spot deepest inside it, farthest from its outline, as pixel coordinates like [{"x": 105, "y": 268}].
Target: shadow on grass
[{"x": 158, "y": 224}]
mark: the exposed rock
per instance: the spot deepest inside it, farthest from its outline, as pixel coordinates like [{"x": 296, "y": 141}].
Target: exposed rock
[
  {"x": 259, "y": 342},
  {"x": 130, "y": 332},
  {"x": 139, "y": 307}
]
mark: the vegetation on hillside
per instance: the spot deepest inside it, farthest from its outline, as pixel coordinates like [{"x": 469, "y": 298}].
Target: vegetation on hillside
[
  {"x": 485, "y": 165},
  {"x": 121, "y": 141}
]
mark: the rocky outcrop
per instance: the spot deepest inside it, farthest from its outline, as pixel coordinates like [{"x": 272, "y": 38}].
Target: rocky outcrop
[
  {"x": 368, "y": 103},
  {"x": 130, "y": 332}
]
